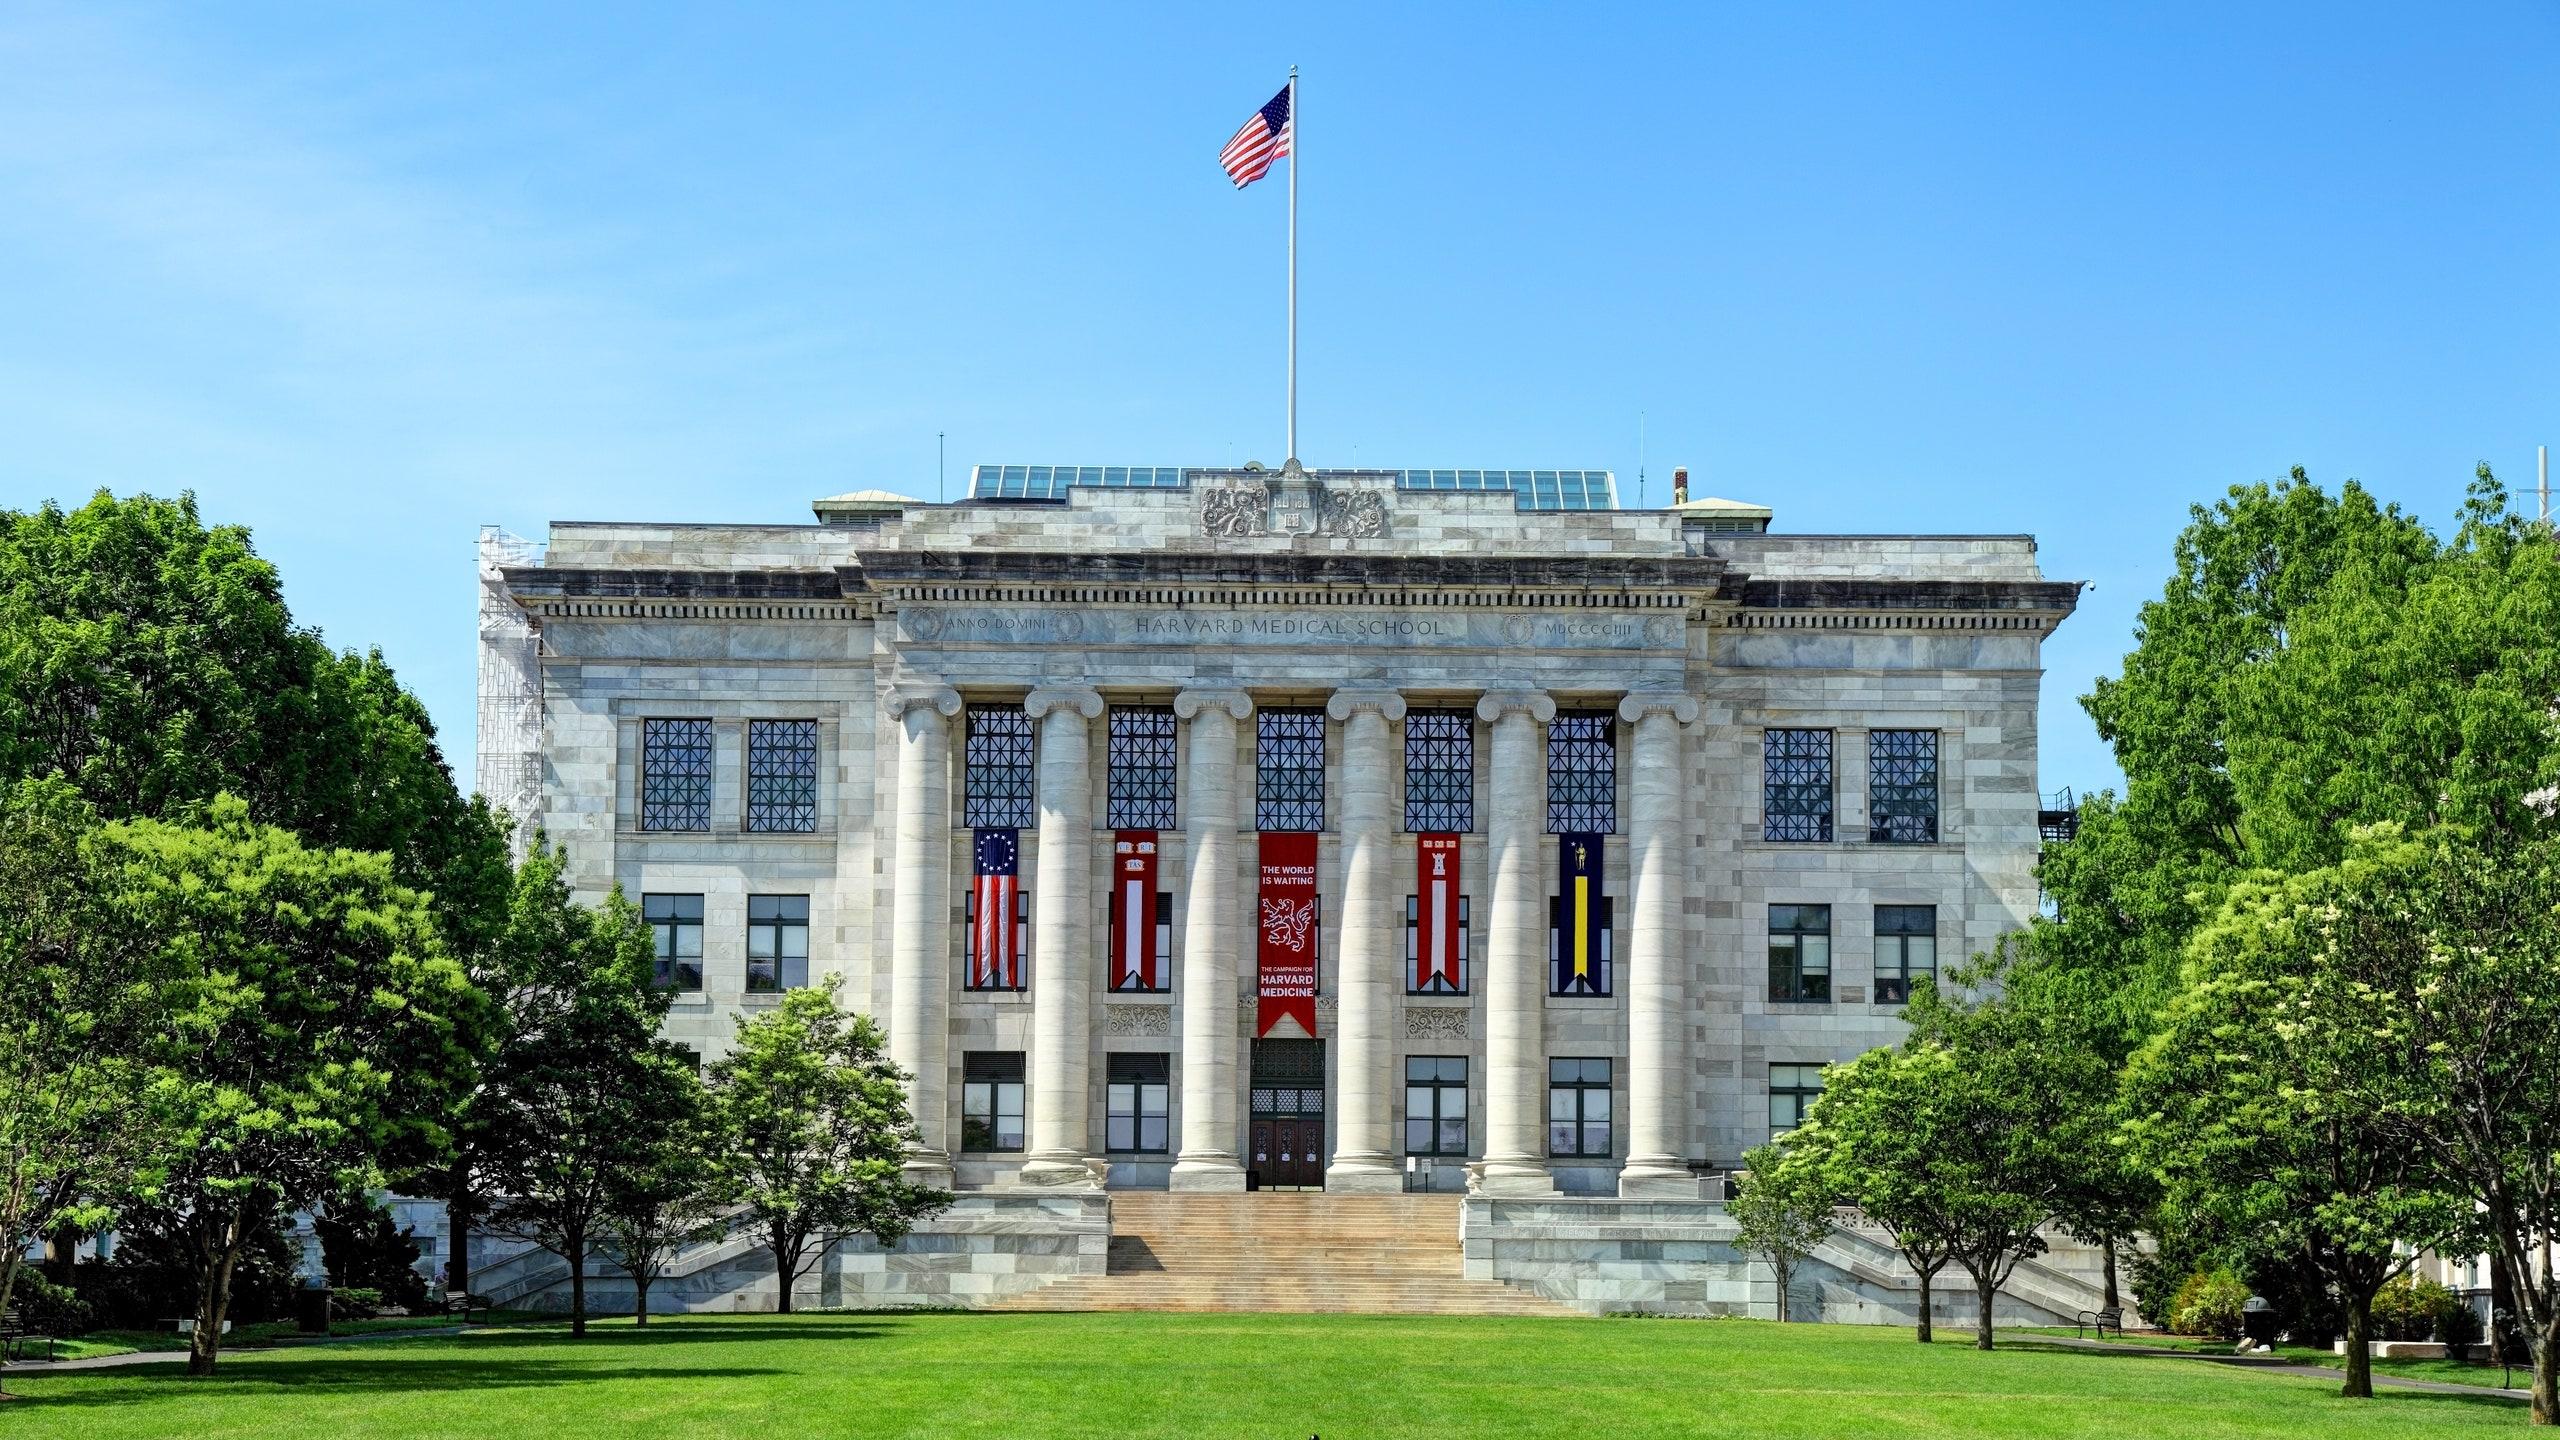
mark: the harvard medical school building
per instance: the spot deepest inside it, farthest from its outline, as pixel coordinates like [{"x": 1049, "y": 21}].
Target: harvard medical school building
[{"x": 1366, "y": 830}]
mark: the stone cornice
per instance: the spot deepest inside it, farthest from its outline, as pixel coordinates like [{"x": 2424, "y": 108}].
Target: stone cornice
[{"x": 1301, "y": 578}]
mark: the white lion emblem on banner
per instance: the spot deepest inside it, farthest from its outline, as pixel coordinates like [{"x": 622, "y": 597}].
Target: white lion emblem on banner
[{"x": 1286, "y": 922}]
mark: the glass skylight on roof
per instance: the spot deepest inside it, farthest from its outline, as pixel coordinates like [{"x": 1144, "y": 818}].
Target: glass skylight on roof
[
  {"x": 1530, "y": 489},
  {"x": 1051, "y": 482}
]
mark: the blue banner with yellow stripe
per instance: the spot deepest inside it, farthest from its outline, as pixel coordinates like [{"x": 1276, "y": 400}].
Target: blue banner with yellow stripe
[{"x": 1580, "y": 925}]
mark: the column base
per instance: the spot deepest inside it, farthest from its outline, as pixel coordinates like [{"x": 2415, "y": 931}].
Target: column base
[
  {"x": 1659, "y": 1182},
  {"x": 1206, "y": 1173},
  {"x": 1053, "y": 1172},
  {"x": 1510, "y": 1177},
  {"x": 1363, "y": 1175}
]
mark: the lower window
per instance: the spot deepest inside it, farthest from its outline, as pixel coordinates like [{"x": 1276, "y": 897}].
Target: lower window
[
  {"x": 1138, "y": 1094},
  {"x": 1906, "y": 950},
  {"x": 1792, "y": 1091},
  {"x": 1578, "y": 1107},
  {"x": 1799, "y": 952},
  {"x": 1435, "y": 1105},
  {"x": 777, "y": 942},
  {"x": 991, "y": 1100},
  {"x": 675, "y": 925}
]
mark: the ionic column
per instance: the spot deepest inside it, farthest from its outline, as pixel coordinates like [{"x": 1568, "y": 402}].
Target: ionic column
[
  {"x": 1655, "y": 969},
  {"x": 1211, "y": 922},
  {"x": 920, "y": 921},
  {"x": 1372, "y": 946},
  {"x": 1515, "y": 991},
  {"x": 1062, "y": 942}
]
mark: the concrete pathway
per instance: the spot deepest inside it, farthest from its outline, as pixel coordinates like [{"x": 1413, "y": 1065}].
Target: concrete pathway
[
  {"x": 154, "y": 1357},
  {"x": 2272, "y": 1364}
]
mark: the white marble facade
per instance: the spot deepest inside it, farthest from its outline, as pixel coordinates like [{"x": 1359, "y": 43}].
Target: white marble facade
[{"x": 1696, "y": 641}]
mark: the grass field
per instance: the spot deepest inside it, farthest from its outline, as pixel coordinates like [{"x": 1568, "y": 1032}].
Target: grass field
[
  {"x": 1134, "y": 1377},
  {"x": 2451, "y": 1372}
]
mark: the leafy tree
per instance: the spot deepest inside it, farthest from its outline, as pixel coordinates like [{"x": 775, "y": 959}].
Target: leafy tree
[
  {"x": 576, "y": 1086},
  {"x": 813, "y": 1126},
  {"x": 315, "y": 1024},
  {"x": 1783, "y": 1211},
  {"x": 2246, "y": 1105},
  {"x": 664, "y": 1200},
  {"x": 76, "y": 997},
  {"x": 362, "y": 1247},
  {"x": 1872, "y": 1131}
]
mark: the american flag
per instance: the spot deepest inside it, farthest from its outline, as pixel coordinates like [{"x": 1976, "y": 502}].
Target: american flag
[
  {"x": 995, "y": 955},
  {"x": 1263, "y": 139}
]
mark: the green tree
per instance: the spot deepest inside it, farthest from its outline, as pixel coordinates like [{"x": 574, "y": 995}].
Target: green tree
[
  {"x": 314, "y": 1024},
  {"x": 2247, "y": 1105},
  {"x": 77, "y": 1119},
  {"x": 1783, "y": 1212},
  {"x": 1873, "y": 1131},
  {"x": 665, "y": 1199},
  {"x": 812, "y": 1125},
  {"x": 574, "y": 1085}
]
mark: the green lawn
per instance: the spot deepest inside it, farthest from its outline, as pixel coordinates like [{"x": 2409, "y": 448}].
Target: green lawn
[
  {"x": 268, "y": 1332},
  {"x": 2451, "y": 1372},
  {"x": 1130, "y": 1377}
]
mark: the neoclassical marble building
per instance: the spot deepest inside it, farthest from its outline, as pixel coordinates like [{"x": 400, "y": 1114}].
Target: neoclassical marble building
[{"x": 1602, "y": 828}]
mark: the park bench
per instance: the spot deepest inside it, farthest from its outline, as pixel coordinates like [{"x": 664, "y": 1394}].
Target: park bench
[
  {"x": 462, "y": 1303},
  {"x": 2101, "y": 1321},
  {"x": 14, "y": 1335}
]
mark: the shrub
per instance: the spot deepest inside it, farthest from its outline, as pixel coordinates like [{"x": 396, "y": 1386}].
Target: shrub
[
  {"x": 2459, "y": 1329},
  {"x": 2209, "y": 1304},
  {"x": 47, "y": 1308},
  {"x": 2411, "y": 1309}
]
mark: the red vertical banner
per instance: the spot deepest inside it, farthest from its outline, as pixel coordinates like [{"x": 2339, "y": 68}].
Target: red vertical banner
[
  {"x": 1436, "y": 890},
  {"x": 1135, "y": 965},
  {"x": 1286, "y": 938}
]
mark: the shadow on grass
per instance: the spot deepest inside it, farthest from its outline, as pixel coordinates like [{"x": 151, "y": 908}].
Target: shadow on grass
[
  {"x": 670, "y": 1330},
  {"x": 2390, "y": 1387},
  {"x": 344, "y": 1378}
]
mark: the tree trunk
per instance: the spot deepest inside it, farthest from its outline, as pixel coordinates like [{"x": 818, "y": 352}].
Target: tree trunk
[
  {"x": 1984, "y": 1290},
  {"x": 457, "y": 1224},
  {"x": 639, "y": 1294},
  {"x": 785, "y": 1275},
  {"x": 61, "y": 1252},
  {"x": 577, "y": 1248},
  {"x": 1785, "y": 1280},
  {"x": 2107, "y": 1249},
  {"x": 2359, "y": 1384},
  {"x": 1926, "y": 1276},
  {"x": 2546, "y": 1373},
  {"x": 213, "y": 1301}
]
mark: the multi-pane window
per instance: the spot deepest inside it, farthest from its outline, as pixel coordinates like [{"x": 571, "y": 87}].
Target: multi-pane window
[
  {"x": 1795, "y": 785},
  {"x": 1122, "y": 977},
  {"x": 1288, "y": 774},
  {"x": 675, "y": 774},
  {"x": 1799, "y": 952},
  {"x": 1578, "y": 1107},
  {"x": 675, "y": 923},
  {"x": 782, "y": 776},
  {"x": 1440, "y": 982},
  {"x": 996, "y": 781},
  {"x": 1135, "y": 1103},
  {"x": 1902, "y": 787},
  {"x": 991, "y": 1100},
  {"x": 1021, "y": 942},
  {"x": 1435, "y": 1105},
  {"x": 777, "y": 942},
  {"x": 1906, "y": 950},
  {"x": 1582, "y": 773},
  {"x": 1138, "y": 783},
  {"x": 1792, "y": 1091},
  {"x": 1439, "y": 772}
]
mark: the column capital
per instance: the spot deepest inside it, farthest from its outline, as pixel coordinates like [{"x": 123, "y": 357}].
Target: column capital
[
  {"x": 1679, "y": 704},
  {"x": 1082, "y": 699},
  {"x": 1343, "y": 704},
  {"x": 906, "y": 695},
  {"x": 1191, "y": 702},
  {"x": 1540, "y": 706}
]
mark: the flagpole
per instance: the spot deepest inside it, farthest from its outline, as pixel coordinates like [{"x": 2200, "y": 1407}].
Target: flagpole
[{"x": 1296, "y": 135}]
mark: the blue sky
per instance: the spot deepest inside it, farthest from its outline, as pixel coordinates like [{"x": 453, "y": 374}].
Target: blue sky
[{"x": 365, "y": 281}]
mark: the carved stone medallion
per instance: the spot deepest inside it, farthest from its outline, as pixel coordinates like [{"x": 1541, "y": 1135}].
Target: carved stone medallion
[
  {"x": 1435, "y": 1022},
  {"x": 1141, "y": 1020},
  {"x": 1235, "y": 512}
]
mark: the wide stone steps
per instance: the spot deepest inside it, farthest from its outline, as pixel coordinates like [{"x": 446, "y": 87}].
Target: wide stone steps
[{"x": 1285, "y": 1253}]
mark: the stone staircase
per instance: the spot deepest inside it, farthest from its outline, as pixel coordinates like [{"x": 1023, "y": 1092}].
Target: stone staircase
[{"x": 1294, "y": 1253}]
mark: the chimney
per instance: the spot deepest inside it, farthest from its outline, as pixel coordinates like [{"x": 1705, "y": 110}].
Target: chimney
[{"x": 1680, "y": 485}]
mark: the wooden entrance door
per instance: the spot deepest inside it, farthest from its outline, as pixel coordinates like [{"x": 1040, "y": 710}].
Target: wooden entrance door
[{"x": 1287, "y": 1124}]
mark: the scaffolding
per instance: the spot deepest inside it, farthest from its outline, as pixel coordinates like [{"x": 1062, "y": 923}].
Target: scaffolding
[{"x": 508, "y": 767}]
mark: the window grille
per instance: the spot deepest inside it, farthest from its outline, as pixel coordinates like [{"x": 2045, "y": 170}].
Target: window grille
[
  {"x": 1288, "y": 792},
  {"x": 1139, "y": 779},
  {"x": 1439, "y": 772},
  {"x": 782, "y": 776},
  {"x": 997, "y": 781},
  {"x": 1582, "y": 774},
  {"x": 1795, "y": 800},
  {"x": 675, "y": 774},
  {"x": 1902, "y": 787}
]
